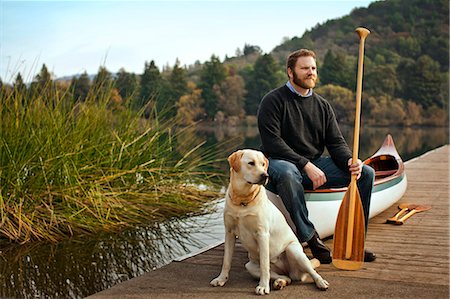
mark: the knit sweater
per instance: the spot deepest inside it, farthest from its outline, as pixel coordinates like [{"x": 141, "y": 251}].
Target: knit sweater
[{"x": 297, "y": 129}]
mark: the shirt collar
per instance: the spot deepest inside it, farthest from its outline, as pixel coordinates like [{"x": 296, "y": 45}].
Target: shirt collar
[{"x": 289, "y": 85}]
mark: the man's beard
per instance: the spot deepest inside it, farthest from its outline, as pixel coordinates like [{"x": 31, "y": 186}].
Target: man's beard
[{"x": 303, "y": 83}]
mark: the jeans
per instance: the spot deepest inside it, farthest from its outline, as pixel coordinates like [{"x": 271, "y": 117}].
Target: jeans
[{"x": 286, "y": 180}]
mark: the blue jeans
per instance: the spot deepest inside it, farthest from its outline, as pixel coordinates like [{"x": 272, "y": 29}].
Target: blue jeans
[{"x": 289, "y": 183}]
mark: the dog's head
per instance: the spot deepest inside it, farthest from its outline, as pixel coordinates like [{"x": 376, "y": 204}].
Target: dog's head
[{"x": 251, "y": 165}]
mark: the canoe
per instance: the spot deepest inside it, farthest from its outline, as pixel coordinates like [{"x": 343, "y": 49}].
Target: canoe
[{"x": 389, "y": 186}]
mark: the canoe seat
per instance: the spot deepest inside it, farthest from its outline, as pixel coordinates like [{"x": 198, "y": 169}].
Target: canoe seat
[{"x": 385, "y": 173}]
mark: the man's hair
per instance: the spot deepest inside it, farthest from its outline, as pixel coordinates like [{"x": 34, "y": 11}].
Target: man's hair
[{"x": 292, "y": 58}]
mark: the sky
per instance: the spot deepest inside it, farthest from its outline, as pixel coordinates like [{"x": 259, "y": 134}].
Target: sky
[{"x": 71, "y": 37}]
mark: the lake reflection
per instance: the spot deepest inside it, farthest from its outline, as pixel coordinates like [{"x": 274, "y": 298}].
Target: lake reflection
[{"x": 78, "y": 268}]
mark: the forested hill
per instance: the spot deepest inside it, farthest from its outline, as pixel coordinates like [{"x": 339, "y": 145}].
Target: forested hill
[
  {"x": 399, "y": 29},
  {"x": 406, "y": 57}
]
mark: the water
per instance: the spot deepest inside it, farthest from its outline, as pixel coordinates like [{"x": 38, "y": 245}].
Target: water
[{"x": 80, "y": 267}]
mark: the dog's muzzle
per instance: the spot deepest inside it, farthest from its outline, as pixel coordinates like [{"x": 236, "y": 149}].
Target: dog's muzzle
[{"x": 264, "y": 179}]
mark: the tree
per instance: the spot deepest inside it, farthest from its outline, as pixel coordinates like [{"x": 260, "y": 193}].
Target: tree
[
  {"x": 382, "y": 79},
  {"x": 259, "y": 81},
  {"x": 422, "y": 81},
  {"x": 230, "y": 95},
  {"x": 189, "y": 106},
  {"x": 150, "y": 84},
  {"x": 126, "y": 84},
  {"x": 212, "y": 73},
  {"x": 342, "y": 100},
  {"x": 42, "y": 84},
  {"x": 102, "y": 84},
  {"x": 175, "y": 87},
  {"x": 80, "y": 87},
  {"x": 250, "y": 49},
  {"x": 335, "y": 70}
]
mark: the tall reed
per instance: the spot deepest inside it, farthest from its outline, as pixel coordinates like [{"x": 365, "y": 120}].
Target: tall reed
[{"x": 71, "y": 167}]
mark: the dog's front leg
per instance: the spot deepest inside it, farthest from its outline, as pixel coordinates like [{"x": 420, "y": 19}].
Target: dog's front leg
[
  {"x": 230, "y": 240},
  {"x": 264, "y": 263}
]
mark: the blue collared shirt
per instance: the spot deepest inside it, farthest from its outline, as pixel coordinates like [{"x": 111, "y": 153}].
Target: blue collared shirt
[{"x": 289, "y": 85}]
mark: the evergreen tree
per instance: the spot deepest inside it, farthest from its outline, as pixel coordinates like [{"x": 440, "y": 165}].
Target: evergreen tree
[
  {"x": 102, "y": 84},
  {"x": 80, "y": 87},
  {"x": 19, "y": 85},
  {"x": 20, "y": 89},
  {"x": 259, "y": 81},
  {"x": 150, "y": 84},
  {"x": 422, "y": 81},
  {"x": 126, "y": 84},
  {"x": 212, "y": 73},
  {"x": 42, "y": 84},
  {"x": 175, "y": 87},
  {"x": 335, "y": 70}
]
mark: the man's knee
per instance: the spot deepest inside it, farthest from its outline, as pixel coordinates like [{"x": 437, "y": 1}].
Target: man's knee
[
  {"x": 368, "y": 173},
  {"x": 284, "y": 172}
]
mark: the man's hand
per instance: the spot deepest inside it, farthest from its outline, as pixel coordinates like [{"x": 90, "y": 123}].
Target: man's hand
[
  {"x": 316, "y": 175},
  {"x": 355, "y": 168}
]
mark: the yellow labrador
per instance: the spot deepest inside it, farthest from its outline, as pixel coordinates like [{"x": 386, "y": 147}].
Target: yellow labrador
[{"x": 273, "y": 249}]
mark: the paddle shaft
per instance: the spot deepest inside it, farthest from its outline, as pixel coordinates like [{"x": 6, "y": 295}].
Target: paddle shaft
[{"x": 362, "y": 33}]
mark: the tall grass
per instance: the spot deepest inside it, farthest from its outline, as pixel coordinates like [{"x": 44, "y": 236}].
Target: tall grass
[{"x": 80, "y": 167}]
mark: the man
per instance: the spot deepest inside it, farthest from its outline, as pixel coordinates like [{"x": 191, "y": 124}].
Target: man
[{"x": 296, "y": 125}]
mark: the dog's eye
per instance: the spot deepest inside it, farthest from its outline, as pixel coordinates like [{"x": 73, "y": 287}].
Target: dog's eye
[{"x": 251, "y": 163}]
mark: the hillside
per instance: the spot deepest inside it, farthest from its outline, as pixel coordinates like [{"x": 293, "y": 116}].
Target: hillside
[{"x": 399, "y": 29}]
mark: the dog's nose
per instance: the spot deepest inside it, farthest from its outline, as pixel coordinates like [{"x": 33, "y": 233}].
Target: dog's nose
[{"x": 264, "y": 178}]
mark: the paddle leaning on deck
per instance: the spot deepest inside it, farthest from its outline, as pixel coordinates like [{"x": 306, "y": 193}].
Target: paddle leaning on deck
[{"x": 349, "y": 234}]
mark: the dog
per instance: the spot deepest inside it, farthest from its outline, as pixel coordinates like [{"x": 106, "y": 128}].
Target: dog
[{"x": 273, "y": 249}]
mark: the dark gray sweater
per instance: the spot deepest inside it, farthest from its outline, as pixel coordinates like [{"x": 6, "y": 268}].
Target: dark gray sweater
[{"x": 298, "y": 129}]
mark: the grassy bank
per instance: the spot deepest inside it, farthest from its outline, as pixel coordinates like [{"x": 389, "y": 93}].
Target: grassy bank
[{"x": 72, "y": 167}]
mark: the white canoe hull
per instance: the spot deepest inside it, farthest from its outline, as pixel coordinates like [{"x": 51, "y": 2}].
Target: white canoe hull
[{"x": 323, "y": 207}]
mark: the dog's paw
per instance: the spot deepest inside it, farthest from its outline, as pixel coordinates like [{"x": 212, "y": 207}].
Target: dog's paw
[
  {"x": 280, "y": 283},
  {"x": 219, "y": 281},
  {"x": 262, "y": 289},
  {"x": 322, "y": 284}
]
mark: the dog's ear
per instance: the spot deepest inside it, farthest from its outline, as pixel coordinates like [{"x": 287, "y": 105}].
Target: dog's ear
[
  {"x": 235, "y": 160},
  {"x": 266, "y": 161}
]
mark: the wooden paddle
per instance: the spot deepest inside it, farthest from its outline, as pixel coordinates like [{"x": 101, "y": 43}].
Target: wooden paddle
[
  {"x": 349, "y": 233},
  {"x": 404, "y": 207},
  {"x": 415, "y": 210}
]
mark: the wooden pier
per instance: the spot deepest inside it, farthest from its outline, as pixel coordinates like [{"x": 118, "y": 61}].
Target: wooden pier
[{"x": 412, "y": 262}]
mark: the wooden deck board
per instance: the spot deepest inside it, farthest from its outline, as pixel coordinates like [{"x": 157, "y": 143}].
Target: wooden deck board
[{"x": 413, "y": 258}]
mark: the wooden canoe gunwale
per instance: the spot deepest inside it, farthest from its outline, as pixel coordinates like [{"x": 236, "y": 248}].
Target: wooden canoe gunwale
[{"x": 389, "y": 152}]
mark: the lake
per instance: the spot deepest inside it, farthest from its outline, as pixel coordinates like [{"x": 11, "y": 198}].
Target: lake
[{"x": 82, "y": 266}]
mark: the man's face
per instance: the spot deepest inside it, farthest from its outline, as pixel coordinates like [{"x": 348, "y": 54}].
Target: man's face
[{"x": 304, "y": 74}]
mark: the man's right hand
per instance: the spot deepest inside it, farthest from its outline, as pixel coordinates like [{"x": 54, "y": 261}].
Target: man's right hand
[{"x": 316, "y": 175}]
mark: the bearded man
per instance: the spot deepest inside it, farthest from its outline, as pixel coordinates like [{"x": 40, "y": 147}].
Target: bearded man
[{"x": 296, "y": 125}]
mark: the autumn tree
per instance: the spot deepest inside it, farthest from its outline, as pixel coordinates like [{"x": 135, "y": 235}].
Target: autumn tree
[
  {"x": 190, "y": 106},
  {"x": 342, "y": 100},
  {"x": 230, "y": 94}
]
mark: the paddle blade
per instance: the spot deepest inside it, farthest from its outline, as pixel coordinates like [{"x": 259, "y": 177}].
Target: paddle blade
[{"x": 349, "y": 233}]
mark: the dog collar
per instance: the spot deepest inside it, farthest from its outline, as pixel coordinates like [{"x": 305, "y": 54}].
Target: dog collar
[{"x": 244, "y": 204}]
